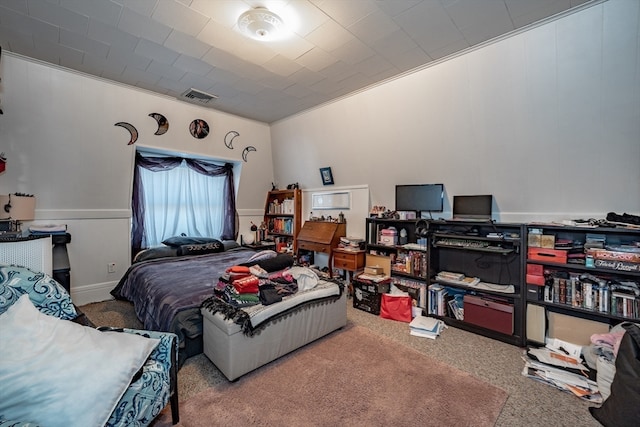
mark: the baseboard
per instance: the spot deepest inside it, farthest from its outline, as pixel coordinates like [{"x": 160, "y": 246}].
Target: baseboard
[{"x": 92, "y": 293}]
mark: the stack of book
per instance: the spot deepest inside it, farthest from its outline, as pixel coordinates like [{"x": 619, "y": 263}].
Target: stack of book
[
  {"x": 559, "y": 364},
  {"x": 427, "y": 327},
  {"x": 351, "y": 243}
]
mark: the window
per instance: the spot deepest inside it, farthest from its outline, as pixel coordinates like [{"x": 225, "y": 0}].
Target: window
[{"x": 174, "y": 195}]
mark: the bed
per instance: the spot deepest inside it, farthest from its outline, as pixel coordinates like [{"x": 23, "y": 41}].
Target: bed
[{"x": 168, "y": 291}]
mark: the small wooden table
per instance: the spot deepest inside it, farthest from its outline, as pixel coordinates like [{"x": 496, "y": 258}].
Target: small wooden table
[{"x": 349, "y": 261}]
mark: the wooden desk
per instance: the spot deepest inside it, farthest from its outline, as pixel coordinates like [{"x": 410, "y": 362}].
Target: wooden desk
[
  {"x": 350, "y": 262},
  {"x": 321, "y": 236}
]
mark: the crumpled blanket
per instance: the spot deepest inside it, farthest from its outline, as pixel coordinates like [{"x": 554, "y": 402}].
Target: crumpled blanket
[
  {"x": 254, "y": 317},
  {"x": 609, "y": 342}
]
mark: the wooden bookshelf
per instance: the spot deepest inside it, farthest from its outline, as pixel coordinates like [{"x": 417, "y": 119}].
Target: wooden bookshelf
[{"x": 282, "y": 216}]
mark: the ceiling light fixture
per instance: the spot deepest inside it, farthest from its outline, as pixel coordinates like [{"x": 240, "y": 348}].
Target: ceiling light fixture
[{"x": 260, "y": 24}]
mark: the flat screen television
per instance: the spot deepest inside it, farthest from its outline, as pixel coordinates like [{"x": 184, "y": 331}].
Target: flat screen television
[
  {"x": 477, "y": 207},
  {"x": 420, "y": 197}
]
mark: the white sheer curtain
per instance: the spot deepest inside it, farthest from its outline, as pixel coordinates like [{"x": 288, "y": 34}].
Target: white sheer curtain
[{"x": 179, "y": 201}]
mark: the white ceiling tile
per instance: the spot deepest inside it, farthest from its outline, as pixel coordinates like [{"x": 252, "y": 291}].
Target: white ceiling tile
[
  {"x": 353, "y": 52},
  {"x": 143, "y": 7},
  {"x": 307, "y": 77},
  {"x": 373, "y": 65},
  {"x": 338, "y": 71},
  {"x": 143, "y": 26},
  {"x": 83, "y": 43},
  {"x": 329, "y": 36},
  {"x": 137, "y": 75},
  {"x": 225, "y": 12},
  {"x": 253, "y": 51},
  {"x": 58, "y": 16},
  {"x": 110, "y": 66},
  {"x": 172, "y": 85},
  {"x": 409, "y": 60},
  {"x": 128, "y": 57},
  {"x": 298, "y": 90},
  {"x": 316, "y": 59},
  {"x": 306, "y": 15},
  {"x": 111, "y": 35},
  {"x": 63, "y": 54},
  {"x": 281, "y": 66},
  {"x": 166, "y": 71},
  {"x": 19, "y": 6},
  {"x": 28, "y": 26},
  {"x": 465, "y": 13},
  {"x": 186, "y": 44},
  {"x": 222, "y": 76},
  {"x": 348, "y": 12},
  {"x": 216, "y": 34},
  {"x": 339, "y": 45},
  {"x": 543, "y": 10},
  {"x": 292, "y": 48},
  {"x": 192, "y": 65},
  {"x": 374, "y": 27},
  {"x": 177, "y": 15},
  {"x": 104, "y": 11},
  {"x": 274, "y": 81},
  {"x": 395, "y": 43},
  {"x": 487, "y": 30},
  {"x": 396, "y": 7},
  {"x": 155, "y": 51}
]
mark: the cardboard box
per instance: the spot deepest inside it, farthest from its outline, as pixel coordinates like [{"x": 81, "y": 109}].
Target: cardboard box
[
  {"x": 548, "y": 241},
  {"x": 368, "y": 296},
  {"x": 534, "y": 240},
  {"x": 488, "y": 313},
  {"x": 574, "y": 329},
  {"x": 373, "y": 270},
  {"x": 379, "y": 261},
  {"x": 388, "y": 237},
  {"x": 547, "y": 255}
]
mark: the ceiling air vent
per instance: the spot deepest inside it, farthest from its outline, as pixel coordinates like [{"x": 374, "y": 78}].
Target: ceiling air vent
[{"x": 197, "y": 97}]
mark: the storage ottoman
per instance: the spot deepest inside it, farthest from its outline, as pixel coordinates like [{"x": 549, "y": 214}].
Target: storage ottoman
[{"x": 236, "y": 354}]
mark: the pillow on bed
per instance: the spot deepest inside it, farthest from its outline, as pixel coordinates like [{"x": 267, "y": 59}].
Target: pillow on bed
[
  {"x": 177, "y": 241},
  {"x": 201, "y": 249},
  {"x": 279, "y": 262},
  {"x": 57, "y": 373},
  {"x": 230, "y": 244},
  {"x": 46, "y": 294},
  {"x": 153, "y": 253}
]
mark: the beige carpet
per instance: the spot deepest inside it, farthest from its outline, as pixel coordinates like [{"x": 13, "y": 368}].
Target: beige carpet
[{"x": 352, "y": 377}]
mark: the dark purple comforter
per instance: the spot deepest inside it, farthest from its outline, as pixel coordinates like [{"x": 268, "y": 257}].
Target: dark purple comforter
[{"x": 167, "y": 292}]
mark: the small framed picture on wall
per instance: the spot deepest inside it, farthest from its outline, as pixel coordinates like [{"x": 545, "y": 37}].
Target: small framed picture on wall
[{"x": 327, "y": 176}]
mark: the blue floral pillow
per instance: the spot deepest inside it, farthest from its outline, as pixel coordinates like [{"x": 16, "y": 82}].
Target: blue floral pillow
[{"x": 45, "y": 293}]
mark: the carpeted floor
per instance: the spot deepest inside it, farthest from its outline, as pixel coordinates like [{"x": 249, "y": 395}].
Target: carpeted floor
[{"x": 529, "y": 403}]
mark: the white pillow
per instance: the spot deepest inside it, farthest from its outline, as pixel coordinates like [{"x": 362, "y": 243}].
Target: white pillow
[{"x": 57, "y": 373}]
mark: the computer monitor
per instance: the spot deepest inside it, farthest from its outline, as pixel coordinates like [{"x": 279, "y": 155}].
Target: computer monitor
[
  {"x": 420, "y": 197},
  {"x": 477, "y": 207}
]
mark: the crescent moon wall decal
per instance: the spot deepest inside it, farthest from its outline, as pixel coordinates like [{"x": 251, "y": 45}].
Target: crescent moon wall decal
[
  {"x": 229, "y": 137},
  {"x": 163, "y": 123},
  {"x": 132, "y": 130},
  {"x": 246, "y": 151}
]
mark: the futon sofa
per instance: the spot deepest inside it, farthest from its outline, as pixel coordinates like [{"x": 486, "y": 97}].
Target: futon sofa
[{"x": 57, "y": 372}]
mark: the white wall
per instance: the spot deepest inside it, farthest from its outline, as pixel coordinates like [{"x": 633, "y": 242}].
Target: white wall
[
  {"x": 548, "y": 121},
  {"x": 58, "y": 134}
]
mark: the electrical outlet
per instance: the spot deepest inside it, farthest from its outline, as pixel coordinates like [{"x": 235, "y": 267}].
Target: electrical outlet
[{"x": 111, "y": 267}]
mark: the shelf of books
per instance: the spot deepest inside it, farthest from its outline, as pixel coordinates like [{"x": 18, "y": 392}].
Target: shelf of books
[
  {"x": 594, "y": 273},
  {"x": 282, "y": 217},
  {"x": 476, "y": 282}
]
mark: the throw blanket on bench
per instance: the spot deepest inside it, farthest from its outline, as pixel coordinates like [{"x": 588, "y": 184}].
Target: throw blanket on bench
[{"x": 256, "y": 317}]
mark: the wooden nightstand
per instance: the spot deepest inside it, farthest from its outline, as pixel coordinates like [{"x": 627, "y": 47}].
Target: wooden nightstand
[{"x": 349, "y": 261}]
